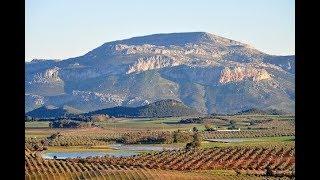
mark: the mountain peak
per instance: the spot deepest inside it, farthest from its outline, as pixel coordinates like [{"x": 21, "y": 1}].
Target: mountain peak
[
  {"x": 176, "y": 39},
  {"x": 42, "y": 60}
]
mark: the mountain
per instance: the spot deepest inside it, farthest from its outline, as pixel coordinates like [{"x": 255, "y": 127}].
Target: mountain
[
  {"x": 53, "y": 112},
  {"x": 162, "y": 108},
  {"x": 204, "y": 71}
]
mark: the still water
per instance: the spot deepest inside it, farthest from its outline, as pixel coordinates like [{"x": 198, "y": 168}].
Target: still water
[
  {"x": 118, "y": 150},
  {"x": 84, "y": 154}
]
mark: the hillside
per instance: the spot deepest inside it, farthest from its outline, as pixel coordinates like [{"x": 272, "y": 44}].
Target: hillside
[
  {"x": 53, "y": 112},
  {"x": 163, "y": 108},
  {"x": 207, "y": 72},
  {"x": 256, "y": 111}
]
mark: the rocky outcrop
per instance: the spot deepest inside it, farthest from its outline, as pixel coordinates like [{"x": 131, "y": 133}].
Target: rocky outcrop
[
  {"x": 241, "y": 73},
  {"x": 48, "y": 76},
  {"x": 154, "y": 62},
  {"x": 101, "y": 97}
]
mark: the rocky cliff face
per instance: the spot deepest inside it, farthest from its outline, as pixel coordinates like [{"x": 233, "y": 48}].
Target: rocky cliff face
[
  {"x": 154, "y": 62},
  {"x": 240, "y": 73},
  {"x": 204, "y": 71}
]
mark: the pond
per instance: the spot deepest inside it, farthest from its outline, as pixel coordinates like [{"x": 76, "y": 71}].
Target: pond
[
  {"x": 117, "y": 150},
  {"x": 85, "y": 154}
]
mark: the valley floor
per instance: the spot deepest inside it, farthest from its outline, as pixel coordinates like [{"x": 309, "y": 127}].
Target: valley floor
[{"x": 263, "y": 149}]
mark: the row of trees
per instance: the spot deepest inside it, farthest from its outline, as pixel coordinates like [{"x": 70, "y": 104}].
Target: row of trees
[
  {"x": 156, "y": 137},
  {"x": 69, "y": 124}
]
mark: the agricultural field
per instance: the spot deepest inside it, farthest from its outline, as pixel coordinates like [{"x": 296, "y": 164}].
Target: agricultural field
[
  {"x": 219, "y": 147},
  {"x": 38, "y": 168},
  {"x": 280, "y": 161}
]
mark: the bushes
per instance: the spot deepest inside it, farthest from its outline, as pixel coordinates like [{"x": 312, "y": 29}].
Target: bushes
[
  {"x": 209, "y": 127},
  {"x": 69, "y": 124},
  {"x": 28, "y": 118},
  {"x": 181, "y": 137},
  {"x": 156, "y": 137},
  {"x": 196, "y": 140},
  {"x": 192, "y": 121}
]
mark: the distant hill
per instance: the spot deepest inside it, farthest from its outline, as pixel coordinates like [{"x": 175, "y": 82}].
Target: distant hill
[
  {"x": 262, "y": 112},
  {"x": 53, "y": 112},
  {"x": 163, "y": 108}
]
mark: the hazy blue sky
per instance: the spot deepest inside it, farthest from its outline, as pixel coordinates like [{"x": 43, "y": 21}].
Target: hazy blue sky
[{"x": 69, "y": 28}]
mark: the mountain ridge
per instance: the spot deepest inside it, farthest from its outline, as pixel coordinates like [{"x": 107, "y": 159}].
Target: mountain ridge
[{"x": 190, "y": 67}]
